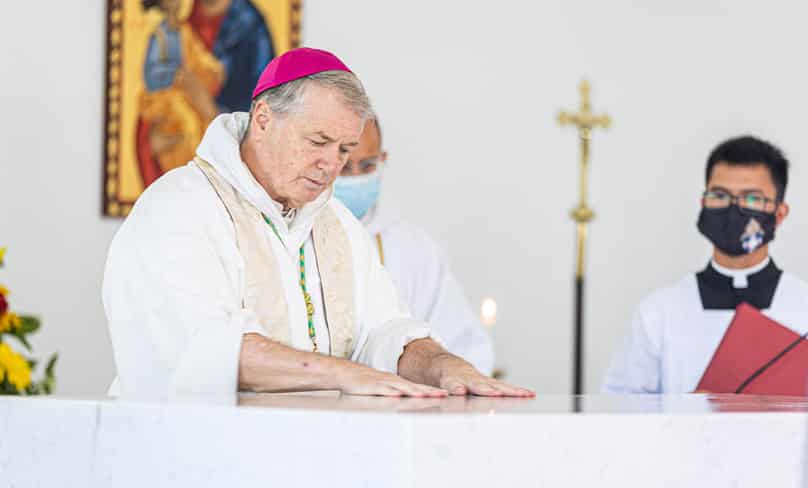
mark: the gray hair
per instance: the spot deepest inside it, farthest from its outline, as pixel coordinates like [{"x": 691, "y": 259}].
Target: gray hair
[{"x": 288, "y": 97}]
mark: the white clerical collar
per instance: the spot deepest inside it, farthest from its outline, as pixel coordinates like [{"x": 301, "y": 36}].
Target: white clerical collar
[{"x": 740, "y": 276}]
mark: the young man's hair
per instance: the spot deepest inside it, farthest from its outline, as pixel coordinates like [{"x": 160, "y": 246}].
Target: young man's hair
[{"x": 748, "y": 151}]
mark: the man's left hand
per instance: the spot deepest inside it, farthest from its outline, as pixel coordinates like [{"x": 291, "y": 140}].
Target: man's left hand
[
  {"x": 425, "y": 361},
  {"x": 460, "y": 378}
]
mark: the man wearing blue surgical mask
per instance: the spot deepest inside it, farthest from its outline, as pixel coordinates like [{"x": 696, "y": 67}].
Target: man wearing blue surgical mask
[
  {"x": 415, "y": 262},
  {"x": 676, "y": 330}
]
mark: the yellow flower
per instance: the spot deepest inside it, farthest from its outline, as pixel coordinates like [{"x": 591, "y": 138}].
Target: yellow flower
[
  {"x": 4, "y": 291},
  {"x": 14, "y": 367},
  {"x": 9, "y": 321},
  {"x": 2, "y": 254},
  {"x": 5, "y": 322}
]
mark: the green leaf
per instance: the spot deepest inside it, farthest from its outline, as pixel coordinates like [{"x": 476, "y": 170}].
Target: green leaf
[
  {"x": 29, "y": 324},
  {"x": 47, "y": 385},
  {"x": 51, "y": 365},
  {"x": 24, "y": 341}
]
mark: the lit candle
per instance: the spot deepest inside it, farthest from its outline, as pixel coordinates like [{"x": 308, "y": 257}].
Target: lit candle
[{"x": 488, "y": 312}]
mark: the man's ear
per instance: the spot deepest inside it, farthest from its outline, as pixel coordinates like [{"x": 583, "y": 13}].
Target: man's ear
[
  {"x": 383, "y": 157},
  {"x": 781, "y": 213},
  {"x": 262, "y": 117}
]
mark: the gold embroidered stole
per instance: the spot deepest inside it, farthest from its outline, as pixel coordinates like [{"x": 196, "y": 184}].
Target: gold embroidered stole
[{"x": 264, "y": 293}]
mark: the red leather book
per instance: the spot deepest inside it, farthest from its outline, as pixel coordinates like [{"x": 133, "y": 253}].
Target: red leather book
[{"x": 758, "y": 356}]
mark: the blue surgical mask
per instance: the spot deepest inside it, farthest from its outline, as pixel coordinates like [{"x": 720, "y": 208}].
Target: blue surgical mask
[{"x": 358, "y": 193}]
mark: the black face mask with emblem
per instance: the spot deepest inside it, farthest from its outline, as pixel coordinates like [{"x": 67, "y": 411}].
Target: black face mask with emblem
[{"x": 737, "y": 232}]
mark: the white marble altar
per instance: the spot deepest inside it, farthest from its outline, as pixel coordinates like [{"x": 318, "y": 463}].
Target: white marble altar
[{"x": 324, "y": 440}]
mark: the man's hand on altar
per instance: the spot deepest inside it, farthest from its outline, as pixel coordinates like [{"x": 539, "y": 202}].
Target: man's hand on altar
[
  {"x": 357, "y": 379},
  {"x": 425, "y": 369},
  {"x": 267, "y": 366},
  {"x": 425, "y": 361},
  {"x": 460, "y": 378}
]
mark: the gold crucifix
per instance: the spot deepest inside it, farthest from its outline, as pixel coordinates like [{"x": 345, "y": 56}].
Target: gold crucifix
[{"x": 585, "y": 121}]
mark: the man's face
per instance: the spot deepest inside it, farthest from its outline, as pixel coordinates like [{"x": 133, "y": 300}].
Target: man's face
[
  {"x": 367, "y": 155},
  {"x": 299, "y": 155},
  {"x": 750, "y": 182}
]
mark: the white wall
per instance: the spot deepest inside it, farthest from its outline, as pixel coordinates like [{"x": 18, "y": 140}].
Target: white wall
[
  {"x": 468, "y": 93},
  {"x": 51, "y": 93}
]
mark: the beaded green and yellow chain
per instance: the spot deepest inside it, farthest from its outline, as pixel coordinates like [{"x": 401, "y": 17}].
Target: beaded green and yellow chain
[{"x": 306, "y": 296}]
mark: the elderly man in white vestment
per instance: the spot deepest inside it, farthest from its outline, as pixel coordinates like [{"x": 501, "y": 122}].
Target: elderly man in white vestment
[
  {"x": 239, "y": 271},
  {"x": 418, "y": 266}
]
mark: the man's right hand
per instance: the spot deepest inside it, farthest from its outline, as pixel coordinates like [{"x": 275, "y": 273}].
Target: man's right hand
[
  {"x": 357, "y": 379},
  {"x": 267, "y": 366}
]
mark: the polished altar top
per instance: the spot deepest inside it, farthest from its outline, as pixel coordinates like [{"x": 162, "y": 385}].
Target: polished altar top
[{"x": 543, "y": 404}]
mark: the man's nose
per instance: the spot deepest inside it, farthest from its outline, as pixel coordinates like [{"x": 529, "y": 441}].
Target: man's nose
[{"x": 329, "y": 160}]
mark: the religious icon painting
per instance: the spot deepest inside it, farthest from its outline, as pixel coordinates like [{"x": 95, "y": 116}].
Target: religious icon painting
[{"x": 172, "y": 66}]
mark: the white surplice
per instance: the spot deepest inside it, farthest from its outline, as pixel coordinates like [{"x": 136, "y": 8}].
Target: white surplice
[
  {"x": 673, "y": 337},
  {"x": 174, "y": 285},
  {"x": 420, "y": 270}
]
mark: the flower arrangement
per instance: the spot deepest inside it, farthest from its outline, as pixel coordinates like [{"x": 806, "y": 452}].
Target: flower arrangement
[{"x": 15, "y": 369}]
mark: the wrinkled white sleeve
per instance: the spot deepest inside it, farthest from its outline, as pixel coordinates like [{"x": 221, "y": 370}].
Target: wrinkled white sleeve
[
  {"x": 172, "y": 293},
  {"x": 636, "y": 367},
  {"x": 386, "y": 327}
]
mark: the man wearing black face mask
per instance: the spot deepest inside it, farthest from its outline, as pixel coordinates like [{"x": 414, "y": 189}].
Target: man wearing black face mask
[{"x": 676, "y": 330}]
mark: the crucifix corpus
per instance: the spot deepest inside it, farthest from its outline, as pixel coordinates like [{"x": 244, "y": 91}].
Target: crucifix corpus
[{"x": 585, "y": 121}]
